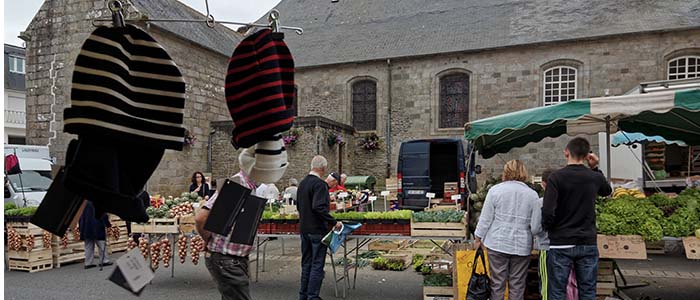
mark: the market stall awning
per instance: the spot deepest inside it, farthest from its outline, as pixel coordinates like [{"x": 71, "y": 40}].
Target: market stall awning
[
  {"x": 629, "y": 138},
  {"x": 672, "y": 115}
]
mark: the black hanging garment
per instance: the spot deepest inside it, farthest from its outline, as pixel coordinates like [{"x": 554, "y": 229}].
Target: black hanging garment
[
  {"x": 127, "y": 103},
  {"x": 479, "y": 287}
]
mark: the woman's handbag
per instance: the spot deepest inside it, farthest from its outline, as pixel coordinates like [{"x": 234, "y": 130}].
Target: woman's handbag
[{"x": 480, "y": 284}]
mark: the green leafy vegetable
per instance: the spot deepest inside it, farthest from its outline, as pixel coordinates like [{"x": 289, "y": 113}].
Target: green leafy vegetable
[{"x": 437, "y": 280}]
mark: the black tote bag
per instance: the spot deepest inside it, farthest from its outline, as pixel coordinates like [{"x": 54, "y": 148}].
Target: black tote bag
[{"x": 480, "y": 284}]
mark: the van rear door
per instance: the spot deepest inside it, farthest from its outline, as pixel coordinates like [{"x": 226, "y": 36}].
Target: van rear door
[{"x": 414, "y": 161}]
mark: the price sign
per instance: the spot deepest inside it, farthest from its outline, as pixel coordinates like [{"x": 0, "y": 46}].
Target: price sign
[
  {"x": 343, "y": 195},
  {"x": 456, "y": 197},
  {"x": 132, "y": 272},
  {"x": 287, "y": 196},
  {"x": 385, "y": 193},
  {"x": 430, "y": 195},
  {"x": 373, "y": 198}
]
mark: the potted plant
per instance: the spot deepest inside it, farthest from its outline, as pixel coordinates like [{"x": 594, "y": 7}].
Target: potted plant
[
  {"x": 334, "y": 139},
  {"x": 291, "y": 137},
  {"x": 190, "y": 139},
  {"x": 370, "y": 143}
]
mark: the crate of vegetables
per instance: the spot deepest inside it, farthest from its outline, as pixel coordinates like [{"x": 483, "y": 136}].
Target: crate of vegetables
[
  {"x": 157, "y": 225},
  {"x": 438, "y": 287},
  {"x": 28, "y": 247},
  {"x": 444, "y": 223}
]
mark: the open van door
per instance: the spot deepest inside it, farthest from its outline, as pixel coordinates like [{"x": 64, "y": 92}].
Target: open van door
[{"x": 414, "y": 174}]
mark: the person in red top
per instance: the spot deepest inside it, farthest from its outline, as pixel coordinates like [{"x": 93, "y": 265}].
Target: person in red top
[{"x": 333, "y": 181}]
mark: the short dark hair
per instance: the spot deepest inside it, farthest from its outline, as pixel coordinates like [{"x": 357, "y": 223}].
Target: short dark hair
[
  {"x": 545, "y": 175},
  {"x": 578, "y": 147}
]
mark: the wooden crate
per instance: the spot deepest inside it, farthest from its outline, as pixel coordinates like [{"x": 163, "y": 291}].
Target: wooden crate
[
  {"x": 439, "y": 263},
  {"x": 655, "y": 247},
  {"x": 438, "y": 293},
  {"x": 38, "y": 259},
  {"x": 73, "y": 252},
  {"x": 162, "y": 225},
  {"x": 438, "y": 229},
  {"x": 606, "y": 278},
  {"x": 187, "y": 224},
  {"x": 386, "y": 245}
]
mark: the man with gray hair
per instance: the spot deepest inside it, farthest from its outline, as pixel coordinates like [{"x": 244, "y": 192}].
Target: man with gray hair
[{"x": 313, "y": 203}]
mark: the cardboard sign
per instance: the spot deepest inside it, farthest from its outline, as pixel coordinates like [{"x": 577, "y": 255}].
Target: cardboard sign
[
  {"x": 372, "y": 198},
  {"x": 430, "y": 195},
  {"x": 132, "y": 272},
  {"x": 385, "y": 193},
  {"x": 456, "y": 197},
  {"x": 692, "y": 247},
  {"x": 622, "y": 246}
]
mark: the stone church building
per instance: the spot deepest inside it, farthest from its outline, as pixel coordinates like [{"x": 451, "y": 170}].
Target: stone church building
[{"x": 412, "y": 69}]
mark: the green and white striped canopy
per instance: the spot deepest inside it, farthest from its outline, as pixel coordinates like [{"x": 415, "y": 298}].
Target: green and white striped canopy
[{"x": 674, "y": 115}]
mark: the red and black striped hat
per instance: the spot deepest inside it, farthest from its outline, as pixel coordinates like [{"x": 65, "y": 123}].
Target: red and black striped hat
[{"x": 260, "y": 88}]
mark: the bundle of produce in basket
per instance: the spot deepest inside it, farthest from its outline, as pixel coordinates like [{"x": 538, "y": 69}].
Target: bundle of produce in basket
[
  {"x": 197, "y": 246},
  {"x": 628, "y": 215},
  {"x": 143, "y": 246},
  {"x": 167, "y": 251},
  {"x": 155, "y": 255},
  {"x": 46, "y": 239},
  {"x": 182, "y": 209},
  {"x": 182, "y": 248},
  {"x": 14, "y": 240},
  {"x": 130, "y": 244}
]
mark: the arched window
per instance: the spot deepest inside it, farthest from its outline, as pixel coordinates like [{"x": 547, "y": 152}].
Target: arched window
[
  {"x": 559, "y": 85},
  {"x": 454, "y": 100},
  {"x": 684, "y": 67},
  {"x": 364, "y": 105}
]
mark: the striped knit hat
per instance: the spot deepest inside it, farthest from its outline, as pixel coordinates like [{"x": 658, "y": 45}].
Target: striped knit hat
[
  {"x": 126, "y": 87},
  {"x": 260, "y": 88},
  {"x": 270, "y": 161}
]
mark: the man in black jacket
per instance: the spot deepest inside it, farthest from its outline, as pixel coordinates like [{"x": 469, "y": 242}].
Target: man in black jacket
[
  {"x": 313, "y": 203},
  {"x": 568, "y": 215}
]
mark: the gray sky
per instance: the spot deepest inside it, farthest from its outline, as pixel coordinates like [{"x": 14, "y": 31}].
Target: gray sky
[{"x": 18, "y": 13}]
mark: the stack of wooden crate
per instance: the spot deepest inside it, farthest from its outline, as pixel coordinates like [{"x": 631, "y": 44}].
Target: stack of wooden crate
[
  {"x": 34, "y": 260},
  {"x": 73, "y": 251}
]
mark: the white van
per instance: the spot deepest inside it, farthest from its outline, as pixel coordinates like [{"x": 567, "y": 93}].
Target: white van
[{"x": 35, "y": 163}]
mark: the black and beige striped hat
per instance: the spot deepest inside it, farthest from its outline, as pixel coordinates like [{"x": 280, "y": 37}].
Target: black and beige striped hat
[{"x": 126, "y": 87}]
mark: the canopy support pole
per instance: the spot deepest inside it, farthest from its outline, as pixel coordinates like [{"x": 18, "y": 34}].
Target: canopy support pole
[{"x": 607, "y": 146}]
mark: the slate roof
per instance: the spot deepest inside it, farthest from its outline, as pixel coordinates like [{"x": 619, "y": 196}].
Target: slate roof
[
  {"x": 361, "y": 30},
  {"x": 13, "y": 81},
  {"x": 220, "y": 39}
]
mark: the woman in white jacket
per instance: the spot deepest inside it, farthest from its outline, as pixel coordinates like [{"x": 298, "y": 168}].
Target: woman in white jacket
[{"x": 506, "y": 228}]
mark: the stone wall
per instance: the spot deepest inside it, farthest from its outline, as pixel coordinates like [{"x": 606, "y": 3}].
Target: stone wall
[
  {"x": 312, "y": 141},
  {"x": 54, "y": 39},
  {"x": 501, "y": 81}
]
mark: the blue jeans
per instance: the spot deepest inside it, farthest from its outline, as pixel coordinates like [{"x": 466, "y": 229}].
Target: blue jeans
[
  {"x": 584, "y": 259},
  {"x": 313, "y": 259}
]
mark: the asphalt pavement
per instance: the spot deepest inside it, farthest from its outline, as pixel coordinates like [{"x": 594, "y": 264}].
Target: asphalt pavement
[{"x": 669, "y": 278}]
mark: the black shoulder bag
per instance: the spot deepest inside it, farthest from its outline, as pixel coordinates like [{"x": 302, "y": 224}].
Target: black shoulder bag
[{"x": 480, "y": 284}]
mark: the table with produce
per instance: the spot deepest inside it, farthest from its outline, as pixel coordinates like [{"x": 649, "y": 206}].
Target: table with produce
[{"x": 171, "y": 224}]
